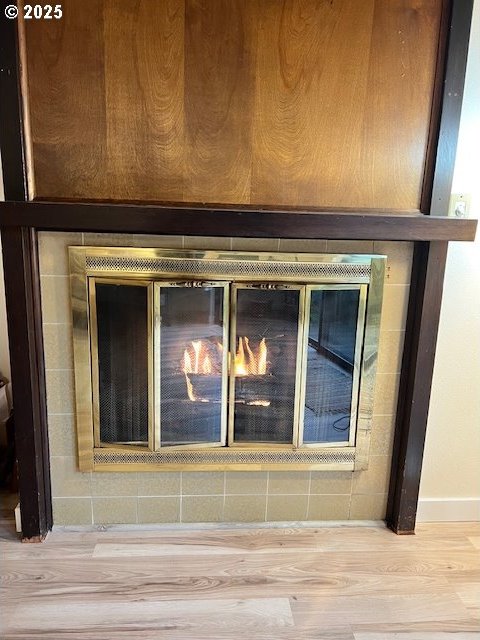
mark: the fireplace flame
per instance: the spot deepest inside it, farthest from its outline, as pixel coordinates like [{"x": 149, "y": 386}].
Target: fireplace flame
[
  {"x": 197, "y": 360},
  {"x": 191, "y": 395},
  {"x": 248, "y": 363}
]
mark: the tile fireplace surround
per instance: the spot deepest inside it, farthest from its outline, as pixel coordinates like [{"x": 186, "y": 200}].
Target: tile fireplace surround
[{"x": 230, "y": 496}]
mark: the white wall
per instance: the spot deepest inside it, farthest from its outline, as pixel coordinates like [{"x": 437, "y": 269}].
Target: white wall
[{"x": 450, "y": 487}]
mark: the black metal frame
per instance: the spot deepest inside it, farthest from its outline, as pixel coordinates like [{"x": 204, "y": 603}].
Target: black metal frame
[{"x": 20, "y": 221}]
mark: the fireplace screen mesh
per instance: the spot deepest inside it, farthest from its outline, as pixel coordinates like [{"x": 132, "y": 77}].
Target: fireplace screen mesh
[
  {"x": 192, "y": 364},
  {"x": 122, "y": 337},
  {"x": 330, "y": 365},
  {"x": 264, "y": 369}
]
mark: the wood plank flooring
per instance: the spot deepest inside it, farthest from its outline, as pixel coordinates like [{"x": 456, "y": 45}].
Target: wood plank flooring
[{"x": 344, "y": 583}]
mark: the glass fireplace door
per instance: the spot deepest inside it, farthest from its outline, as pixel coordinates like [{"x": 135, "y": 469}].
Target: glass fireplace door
[
  {"x": 265, "y": 351},
  {"x": 191, "y": 358},
  {"x": 120, "y": 333},
  {"x": 333, "y": 338}
]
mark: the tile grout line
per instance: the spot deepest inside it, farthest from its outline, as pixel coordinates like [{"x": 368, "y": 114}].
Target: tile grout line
[
  {"x": 351, "y": 493},
  {"x": 212, "y": 495},
  {"x": 55, "y": 275},
  {"x": 224, "y": 493},
  {"x": 266, "y": 495},
  {"x": 309, "y": 490},
  {"x": 181, "y": 496},
  {"x": 136, "y": 499}
]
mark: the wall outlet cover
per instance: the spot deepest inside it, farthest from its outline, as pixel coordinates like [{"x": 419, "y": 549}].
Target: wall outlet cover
[{"x": 459, "y": 206}]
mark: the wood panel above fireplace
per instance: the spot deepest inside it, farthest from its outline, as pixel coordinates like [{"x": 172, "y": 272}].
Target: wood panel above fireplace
[{"x": 302, "y": 103}]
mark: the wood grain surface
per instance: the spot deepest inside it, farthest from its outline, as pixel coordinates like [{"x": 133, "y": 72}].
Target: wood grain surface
[
  {"x": 345, "y": 583},
  {"x": 296, "y": 103}
]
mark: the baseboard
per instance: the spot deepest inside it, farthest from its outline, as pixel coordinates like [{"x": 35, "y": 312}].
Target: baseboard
[
  {"x": 18, "y": 519},
  {"x": 448, "y": 510}
]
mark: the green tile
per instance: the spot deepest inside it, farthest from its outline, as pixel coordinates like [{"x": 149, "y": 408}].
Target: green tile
[
  {"x": 288, "y": 482},
  {"x": 202, "y": 509},
  {"x": 247, "y": 482},
  {"x": 394, "y": 308},
  {"x": 205, "y": 483},
  {"x": 114, "y": 510},
  {"x": 399, "y": 260},
  {"x": 55, "y": 291},
  {"x": 67, "y": 481},
  {"x": 386, "y": 394},
  {"x": 286, "y": 508},
  {"x": 159, "y": 484},
  {"x": 245, "y": 508},
  {"x": 206, "y": 243},
  {"x": 390, "y": 351},
  {"x": 108, "y": 239},
  {"x": 71, "y": 511},
  {"x": 53, "y": 251},
  {"x": 383, "y": 431},
  {"x": 158, "y": 510},
  {"x": 331, "y": 482},
  {"x": 375, "y": 479},
  {"x": 60, "y": 391},
  {"x": 255, "y": 244},
  {"x": 114, "y": 484},
  {"x": 162, "y": 242},
  {"x": 368, "y": 507},
  {"x": 333, "y": 507},
  {"x": 62, "y": 435},
  {"x": 58, "y": 346},
  {"x": 303, "y": 246}
]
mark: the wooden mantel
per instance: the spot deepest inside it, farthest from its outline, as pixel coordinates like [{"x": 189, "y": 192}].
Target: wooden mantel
[{"x": 235, "y": 221}]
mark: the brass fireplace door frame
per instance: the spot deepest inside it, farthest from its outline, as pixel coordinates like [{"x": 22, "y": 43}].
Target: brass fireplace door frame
[{"x": 157, "y": 268}]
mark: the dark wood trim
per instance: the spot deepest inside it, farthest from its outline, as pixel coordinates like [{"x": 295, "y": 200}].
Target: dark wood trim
[
  {"x": 451, "y": 107},
  {"x": 11, "y": 115},
  {"x": 22, "y": 291},
  {"x": 436, "y": 110},
  {"x": 24, "y": 317},
  {"x": 415, "y": 383},
  {"x": 170, "y": 220},
  {"x": 427, "y": 285}
]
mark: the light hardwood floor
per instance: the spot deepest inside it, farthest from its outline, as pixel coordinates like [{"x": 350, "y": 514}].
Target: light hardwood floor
[{"x": 345, "y": 583}]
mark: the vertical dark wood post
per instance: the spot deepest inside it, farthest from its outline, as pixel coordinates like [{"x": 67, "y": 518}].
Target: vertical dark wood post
[
  {"x": 426, "y": 288},
  {"x": 24, "y": 317},
  {"x": 451, "y": 106},
  {"x": 22, "y": 290},
  {"x": 415, "y": 383},
  {"x": 11, "y": 119}
]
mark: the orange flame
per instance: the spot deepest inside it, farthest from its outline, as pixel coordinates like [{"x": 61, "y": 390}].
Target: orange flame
[
  {"x": 196, "y": 360},
  {"x": 191, "y": 395},
  {"x": 248, "y": 363},
  {"x": 200, "y": 362}
]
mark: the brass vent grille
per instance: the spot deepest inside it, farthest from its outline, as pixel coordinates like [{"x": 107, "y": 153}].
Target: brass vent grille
[
  {"x": 224, "y": 457},
  {"x": 230, "y": 268}
]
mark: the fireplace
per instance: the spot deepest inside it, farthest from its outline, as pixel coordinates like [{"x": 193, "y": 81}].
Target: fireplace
[{"x": 224, "y": 359}]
